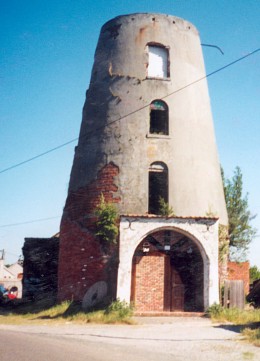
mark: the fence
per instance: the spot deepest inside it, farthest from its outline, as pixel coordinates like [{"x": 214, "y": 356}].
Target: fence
[{"x": 234, "y": 294}]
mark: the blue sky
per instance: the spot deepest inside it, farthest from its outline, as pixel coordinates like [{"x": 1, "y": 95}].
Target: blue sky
[{"x": 46, "y": 56}]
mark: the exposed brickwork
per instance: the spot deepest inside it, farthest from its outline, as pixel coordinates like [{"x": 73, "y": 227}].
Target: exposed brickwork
[
  {"x": 149, "y": 282},
  {"x": 83, "y": 260},
  {"x": 80, "y": 204},
  {"x": 239, "y": 271}
]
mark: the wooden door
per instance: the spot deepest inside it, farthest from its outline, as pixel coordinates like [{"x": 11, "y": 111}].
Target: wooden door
[{"x": 177, "y": 291}]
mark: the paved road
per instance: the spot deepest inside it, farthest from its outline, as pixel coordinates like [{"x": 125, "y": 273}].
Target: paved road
[{"x": 152, "y": 339}]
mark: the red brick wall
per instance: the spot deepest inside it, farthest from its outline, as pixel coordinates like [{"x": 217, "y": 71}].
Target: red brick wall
[
  {"x": 239, "y": 271},
  {"x": 80, "y": 204},
  {"x": 83, "y": 260},
  {"x": 148, "y": 281}
]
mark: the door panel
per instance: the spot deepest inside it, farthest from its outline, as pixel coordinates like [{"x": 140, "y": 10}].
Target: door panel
[{"x": 177, "y": 291}]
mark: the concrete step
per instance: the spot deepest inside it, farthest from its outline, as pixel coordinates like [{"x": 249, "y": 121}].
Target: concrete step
[{"x": 169, "y": 314}]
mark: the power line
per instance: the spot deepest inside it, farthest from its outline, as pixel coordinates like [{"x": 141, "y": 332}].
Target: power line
[
  {"x": 133, "y": 112},
  {"x": 39, "y": 155},
  {"x": 28, "y": 222},
  {"x": 109, "y": 123}
]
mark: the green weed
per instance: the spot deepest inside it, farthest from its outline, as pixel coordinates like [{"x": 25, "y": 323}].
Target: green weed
[
  {"x": 116, "y": 312},
  {"x": 247, "y": 320}
]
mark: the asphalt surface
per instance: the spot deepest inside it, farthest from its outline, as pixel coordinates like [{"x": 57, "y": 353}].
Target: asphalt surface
[{"x": 153, "y": 339}]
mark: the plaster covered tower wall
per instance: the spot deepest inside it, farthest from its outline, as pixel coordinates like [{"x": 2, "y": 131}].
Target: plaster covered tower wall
[{"x": 143, "y": 115}]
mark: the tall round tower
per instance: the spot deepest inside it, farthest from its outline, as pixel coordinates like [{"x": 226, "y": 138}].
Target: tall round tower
[{"x": 147, "y": 133}]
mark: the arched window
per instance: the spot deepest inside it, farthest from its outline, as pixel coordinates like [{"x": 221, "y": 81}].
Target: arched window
[
  {"x": 158, "y": 61},
  {"x": 159, "y": 117},
  {"x": 158, "y": 186}
]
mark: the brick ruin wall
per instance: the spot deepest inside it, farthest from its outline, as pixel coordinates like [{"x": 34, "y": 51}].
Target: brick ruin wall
[
  {"x": 83, "y": 260},
  {"x": 239, "y": 271}
]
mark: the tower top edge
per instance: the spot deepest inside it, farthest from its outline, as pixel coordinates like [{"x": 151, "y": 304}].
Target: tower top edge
[{"x": 152, "y": 17}]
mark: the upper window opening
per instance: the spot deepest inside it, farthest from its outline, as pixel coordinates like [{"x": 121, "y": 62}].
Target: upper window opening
[
  {"x": 159, "y": 118},
  {"x": 158, "y": 186},
  {"x": 158, "y": 62}
]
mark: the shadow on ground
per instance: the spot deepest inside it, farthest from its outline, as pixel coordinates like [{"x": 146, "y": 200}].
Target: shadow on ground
[{"x": 239, "y": 328}]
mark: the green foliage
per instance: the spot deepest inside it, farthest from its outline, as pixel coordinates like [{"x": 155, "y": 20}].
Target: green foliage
[
  {"x": 234, "y": 315},
  {"x": 117, "y": 312},
  {"x": 241, "y": 231},
  {"x": 107, "y": 229},
  {"x": 121, "y": 308},
  {"x": 211, "y": 213},
  {"x": 247, "y": 321},
  {"x": 253, "y": 335},
  {"x": 254, "y": 273},
  {"x": 215, "y": 310},
  {"x": 223, "y": 242},
  {"x": 164, "y": 208}
]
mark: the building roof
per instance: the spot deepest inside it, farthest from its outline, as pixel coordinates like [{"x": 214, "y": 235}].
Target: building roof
[{"x": 151, "y": 216}]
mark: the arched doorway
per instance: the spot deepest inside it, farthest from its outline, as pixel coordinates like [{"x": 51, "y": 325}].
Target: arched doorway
[{"x": 167, "y": 273}]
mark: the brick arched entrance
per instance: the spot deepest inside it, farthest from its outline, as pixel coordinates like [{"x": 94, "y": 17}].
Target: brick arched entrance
[
  {"x": 201, "y": 233},
  {"x": 167, "y": 274}
]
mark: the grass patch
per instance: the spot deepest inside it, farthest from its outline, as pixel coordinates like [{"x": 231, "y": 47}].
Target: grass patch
[
  {"x": 116, "y": 313},
  {"x": 248, "y": 356},
  {"x": 248, "y": 321},
  {"x": 252, "y": 335}
]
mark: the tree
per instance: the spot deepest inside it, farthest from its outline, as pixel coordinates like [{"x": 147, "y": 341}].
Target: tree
[
  {"x": 254, "y": 273},
  {"x": 241, "y": 231}
]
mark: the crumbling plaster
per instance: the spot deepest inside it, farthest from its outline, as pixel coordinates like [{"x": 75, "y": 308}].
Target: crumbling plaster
[
  {"x": 115, "y": 130},
  {"x": 115, "y": 124},
  {"x": 202, "y": 231}
]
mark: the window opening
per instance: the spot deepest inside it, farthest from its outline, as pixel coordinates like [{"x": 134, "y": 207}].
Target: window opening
[
  {"x": 158, "y": 186},
  {"x": 158, "y": 62},
  {"x": 159, "y": 117}
]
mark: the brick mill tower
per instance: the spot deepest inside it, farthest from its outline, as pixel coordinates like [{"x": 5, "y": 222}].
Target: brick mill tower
[{"x": 146, "y": 134}]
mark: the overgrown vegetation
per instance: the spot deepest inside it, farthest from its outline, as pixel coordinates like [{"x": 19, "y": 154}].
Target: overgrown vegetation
[
  {"x": 245, "y": 321},
  {"x": 164, "y": 208},
  {"x": 223, "y": 242},
  {"x": 106, "y": 225},
  {"x": 241, "y": 231},
  {"x": 116, "y": 312},
  {"x": 254, "y": 274},
  {"x": 120, "y": 308}
]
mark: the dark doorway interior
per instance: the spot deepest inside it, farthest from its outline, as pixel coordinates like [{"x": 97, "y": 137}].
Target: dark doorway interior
[{"x": 186, "y": 273}]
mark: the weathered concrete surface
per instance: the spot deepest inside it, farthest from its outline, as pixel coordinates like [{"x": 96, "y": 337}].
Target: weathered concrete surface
[
  {"x": 152, "y": 339},
  {"x": 115, "y": 123},
  {"x": 116, "y": 148}
]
